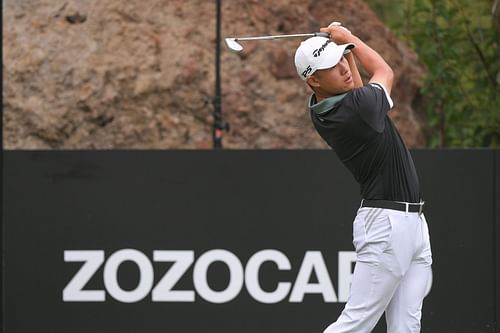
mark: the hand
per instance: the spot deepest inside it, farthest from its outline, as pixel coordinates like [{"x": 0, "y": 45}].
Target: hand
[{"x": 338, "y": 33}]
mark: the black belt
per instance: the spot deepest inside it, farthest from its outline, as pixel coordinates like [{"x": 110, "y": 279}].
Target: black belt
[{"x": 401, "y": 206}]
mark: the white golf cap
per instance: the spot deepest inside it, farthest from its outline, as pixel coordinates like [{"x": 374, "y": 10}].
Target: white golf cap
[{"x": 318, "y": 53}]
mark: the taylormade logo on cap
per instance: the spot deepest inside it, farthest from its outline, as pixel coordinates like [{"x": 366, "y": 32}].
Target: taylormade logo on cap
[{"x": 318, "y": 53}]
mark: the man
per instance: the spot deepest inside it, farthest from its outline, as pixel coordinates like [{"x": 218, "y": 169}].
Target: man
[{"x": 390, "y": 232}]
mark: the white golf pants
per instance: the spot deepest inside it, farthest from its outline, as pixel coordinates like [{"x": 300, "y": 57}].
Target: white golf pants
[{"x": 392, "y": 271}]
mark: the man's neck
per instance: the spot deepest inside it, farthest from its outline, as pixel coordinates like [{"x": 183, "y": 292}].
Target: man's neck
[{"x": 319, "y": 97}]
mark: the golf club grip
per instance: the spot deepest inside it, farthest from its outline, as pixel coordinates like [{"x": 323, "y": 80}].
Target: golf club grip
[{"x": 322, "y": 34}]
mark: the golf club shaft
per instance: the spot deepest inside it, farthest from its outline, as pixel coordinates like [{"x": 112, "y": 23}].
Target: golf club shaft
[{"x": 323, "y": 34}]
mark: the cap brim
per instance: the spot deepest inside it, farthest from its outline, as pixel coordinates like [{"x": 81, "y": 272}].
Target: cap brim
[{"x": 334, "y": 55}]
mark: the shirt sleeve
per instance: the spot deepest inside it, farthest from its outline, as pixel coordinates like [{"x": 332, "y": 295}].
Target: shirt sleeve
[{"x": 373, "y": 102}]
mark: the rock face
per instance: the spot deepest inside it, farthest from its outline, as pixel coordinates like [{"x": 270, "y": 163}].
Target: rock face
[{"x": 94, "y": 74}]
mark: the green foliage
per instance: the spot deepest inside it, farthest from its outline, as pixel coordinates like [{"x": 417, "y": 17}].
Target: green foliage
[{"x": 458, "y": 43}]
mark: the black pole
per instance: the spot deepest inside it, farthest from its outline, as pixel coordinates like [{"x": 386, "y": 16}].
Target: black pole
[{"x": 219, "y": 125}]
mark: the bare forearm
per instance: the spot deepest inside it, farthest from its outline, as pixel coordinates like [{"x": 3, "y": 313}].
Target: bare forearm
[
  {"x": 374, "y": 64},
  {"x": 369, "y": 58},
  {"x": 354, "y": 70}
]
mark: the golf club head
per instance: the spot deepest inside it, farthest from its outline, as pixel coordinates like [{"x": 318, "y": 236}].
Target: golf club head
[{"x": 233, "y": 45}]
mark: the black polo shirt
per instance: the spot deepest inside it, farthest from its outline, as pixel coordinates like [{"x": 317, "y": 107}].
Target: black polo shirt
[{"x": 357, "y": 127}]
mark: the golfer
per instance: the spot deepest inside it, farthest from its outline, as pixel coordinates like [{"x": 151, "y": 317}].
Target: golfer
[{"x": 390, "y": 232}]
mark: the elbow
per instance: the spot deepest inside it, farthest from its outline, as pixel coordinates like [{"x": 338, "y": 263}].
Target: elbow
[
  {"x": 390, "y": 74},
  {"x": 384, "y": 75}
]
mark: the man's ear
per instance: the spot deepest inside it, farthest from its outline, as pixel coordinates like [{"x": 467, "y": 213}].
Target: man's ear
[{"x": 313, "y": 81}]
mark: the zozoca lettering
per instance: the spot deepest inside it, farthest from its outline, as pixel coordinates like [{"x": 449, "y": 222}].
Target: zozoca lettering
[{"x": 312, "y": 265}]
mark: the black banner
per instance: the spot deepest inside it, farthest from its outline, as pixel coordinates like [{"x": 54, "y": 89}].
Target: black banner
[
  {"x": 496, "y": 227},
  {"x": 224, "y": 241}
]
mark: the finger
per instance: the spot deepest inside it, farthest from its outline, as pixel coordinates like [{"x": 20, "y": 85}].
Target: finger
[
  {"x": 349, "y": 31},
  {"x": 335, "y": 23}
]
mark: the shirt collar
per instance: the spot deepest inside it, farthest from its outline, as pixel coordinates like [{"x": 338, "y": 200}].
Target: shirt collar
[{"x": 326, "y": 104}]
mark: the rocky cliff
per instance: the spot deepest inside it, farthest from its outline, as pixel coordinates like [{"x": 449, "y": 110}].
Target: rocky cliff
[{"x": 113, "y": 74}]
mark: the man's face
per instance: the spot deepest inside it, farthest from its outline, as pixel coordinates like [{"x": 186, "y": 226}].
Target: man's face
[{"x": 335, "y": 80}]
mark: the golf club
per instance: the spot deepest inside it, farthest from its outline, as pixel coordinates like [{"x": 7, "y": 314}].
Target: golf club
[{"x": 233, "y": 45}]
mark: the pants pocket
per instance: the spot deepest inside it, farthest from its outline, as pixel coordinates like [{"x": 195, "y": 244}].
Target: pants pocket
[
  {"x": 358, "y": 233},
  {"x": 371, "y": 235}
]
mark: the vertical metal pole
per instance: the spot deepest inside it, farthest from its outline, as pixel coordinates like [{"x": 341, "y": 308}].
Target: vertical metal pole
[{"x": 219, "y": 125}]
